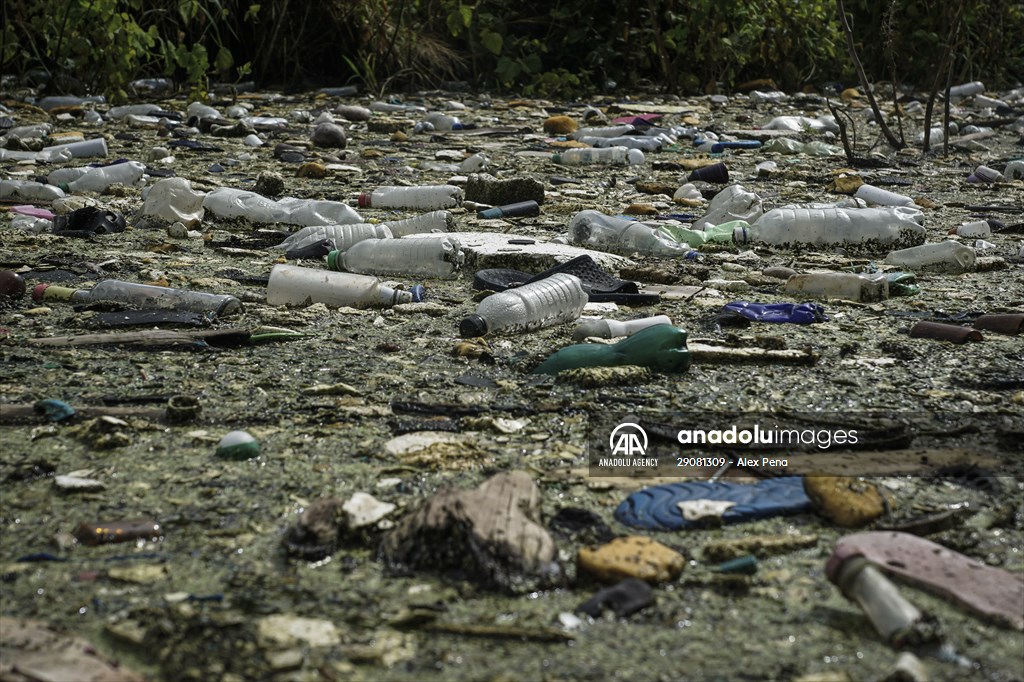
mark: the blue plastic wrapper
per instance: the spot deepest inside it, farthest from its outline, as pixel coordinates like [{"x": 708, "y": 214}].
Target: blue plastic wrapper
[
  {"x": 419, "y": 292},
  {"x": 796, "y": 313}
]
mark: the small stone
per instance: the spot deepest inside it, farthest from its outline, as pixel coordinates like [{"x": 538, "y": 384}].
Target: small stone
[
  {"x": 487, "y": 189},
  {"x": 399, "y": 136},
  {"x": 177, "y": 231},
  {"x": 353, "y": 113},
  {"x": 640, "y": 209},
  {"x": 141, "y": 574},
  {"x": 329, "y": 134},
  {"x": 560, "y": 125},
  {"x": 312, "y": 169},
  {"x": 288, "y": 630},
  {"x": 908, "y": 668},
  {"x": 289, "y": 659},
  {"x": 363, "y": 509},
  {"x": 12, "y": 285},
  {"x": 847, "y": 502},
  {"x": 633, "y": 556},
  {"x": 269, "y": 184}
]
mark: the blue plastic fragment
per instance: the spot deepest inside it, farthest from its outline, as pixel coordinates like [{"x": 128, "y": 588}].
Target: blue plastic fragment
[
  {"x": 657, "y": 508},
  {"x": 797, "y": 313},
  {"x": 54, "y": 410},
  {"x": 419, "y": 292}
]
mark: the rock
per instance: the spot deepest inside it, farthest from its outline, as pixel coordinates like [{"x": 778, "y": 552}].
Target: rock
[
  {"x": 487, "y": 189},
  {"x": 624, "y": 599},
  {"x": 286, "y": 630},
  {"x": 330, "y": 135},
  {"x": 491, "y": 533},
  {"x": 641, "y": 209},
  {"x": 363, "y": 509},
  {"x": 315, "y": 534},
  {"x": 847, "y": 502},
  {"x": 560, "y": 125},
  {"x": 633, "y": 556},
  {"x": 312, "y": 169},
  {"x": 140, "y": 574},
  {"x": 269, "y": 184},
  {"x": 33, "y": 651},
  {"x": 353, "y": 113},
  {"x": 595, "y": 377}
]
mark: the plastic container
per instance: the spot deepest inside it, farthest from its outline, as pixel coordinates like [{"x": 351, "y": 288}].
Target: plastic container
[
  {"x": 610, "y": 329},
  {"x": 81, "y": 150},
  {"x": 732, "y": 203},
  {"x": 892, "y": 616},
  {"x": 235, "y": 203},
  {"x": 142, "y": 295},
  {"x": 594, "y": 229},
  {"x": 294, "y": 285},
  {"x": 57, "y": 156},
  {"x": 425, "y": 257},
  {"x": 608, "y": 155},
  {"x": 947, "y": 256},
  {"x": 27, "y": 190},
  {"x": 865, "y": 228},
  {"x": 661, "y": 348},
  {"x": 427, "y": 197},
  {"x": 977, "y": 228},
  {"x": 604, "y": 131},
  {"x": 132, "y": 110},
  {"x": 553, "y": 300},
  {"x": 435, "y": 221},
  {"x": 966, "y": 89},
  {"x": 516, "y": 210},
  {"x": 98, "y": 179},
  {"x": 343, "y": 237},
  {"x": 646, "y": 144},
  {"x": 882, "y": 197},
  {"x": 843, "y": 285},
  {"x": 443, "y": 122}
]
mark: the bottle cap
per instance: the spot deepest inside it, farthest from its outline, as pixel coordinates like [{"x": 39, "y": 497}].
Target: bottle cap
[
  {"x": 392, "y": 296},
  {"x": 50, "y": 292},
  {"x": 739, "y": 235},
  {"x": 332, "y": 260},
  {"x": 556, "y": 158},
  {"x": 364, "y": 200},
  {"x": 472, "y": 326}
]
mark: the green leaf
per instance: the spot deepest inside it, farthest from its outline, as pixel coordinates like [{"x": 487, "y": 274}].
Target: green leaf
[
  {"x": 224, "y": 61},
  {"x": 467, "y": 15},
  {"x": 252, "y": 13},
  {"x": 492, "y": 41}
]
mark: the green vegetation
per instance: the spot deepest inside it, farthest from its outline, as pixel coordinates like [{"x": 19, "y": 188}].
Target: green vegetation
[{"x": 557, "y": 47}]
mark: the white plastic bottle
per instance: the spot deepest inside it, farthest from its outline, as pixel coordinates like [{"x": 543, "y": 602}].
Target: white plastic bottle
[
  {"x": 882, "y": 197},
  {"x": 607, "y": 155},
  {"x": 173, "y": 199},
  {"x": 435, "y": 221},
  {"x": 604, "y": 131},
  {"x": 646, "y": 144},
  {"x": 343, "y": 237},
  {"x": 945, "y": 256},
  {"x": 610, "y": 329},
  {"x": 98, "y": 179},
  {"x": 869, "y": 228},
  {"x": 425, "y": 257},
  {"x": 236, "y": 203},
  {"x": 27, "y": 190},
  {"x": 553, "y": 300},
  {"x": 594, "y": 229},
  {"x": 427, "y": 197},
  {"x": 843, "y": 285},
  {"x": 145, "y": 296},
  {"x": 62, "y": 176},
  {"x": 966, "y": 89},
  {"x": 294, "y": 285}
]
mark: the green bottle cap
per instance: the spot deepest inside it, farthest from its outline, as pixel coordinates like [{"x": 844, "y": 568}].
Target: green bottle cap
[{"x": 333, "y": 260}]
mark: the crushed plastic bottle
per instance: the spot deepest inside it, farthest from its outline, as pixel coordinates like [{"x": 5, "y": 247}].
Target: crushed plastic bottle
[
  {"x": 174, "y": 200},
  {"x": 99, "y": 179},
  {"x": 622, "y": 235},
  {"x": 423, "y": 257},
  {"x": 866, "y": 228},
  {"x": 28, "y": 190},
  {"x": 228, "y": 202},
  {"x": 434, "y": 221},
  {"x": 342, "y": 237},
  {"x": 553, "y": 300},
  {"x": 847, "y": 286},
  {"x": 294, "y": 285},
  {"x": 732, "y": 203}
]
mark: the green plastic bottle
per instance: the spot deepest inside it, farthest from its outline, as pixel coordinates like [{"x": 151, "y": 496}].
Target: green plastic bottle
[
  {"x": 715, "y": 234},
  {"x": 661, "y": 348}
]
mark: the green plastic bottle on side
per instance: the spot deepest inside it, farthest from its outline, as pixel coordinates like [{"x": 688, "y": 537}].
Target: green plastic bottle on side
[{"x": 661, "y": 348}]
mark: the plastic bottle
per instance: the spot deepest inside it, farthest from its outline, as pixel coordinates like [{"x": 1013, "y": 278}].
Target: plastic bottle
[
  {"x": 57, "y": 156},
  {"x": 424, "y": 257},
  {"x": 625, "y": 235},
  {"x": 144, "y": 296},
  {"x": 946, "y": 256},
  {"x": 661, "y": 347},
  {"x": 343, "y": 237},
  {"x": 235, "y": 203},
  {"x": 610, "y": 329},
  {"x": 27, "y": 190},
  {"x": 608, "y": 155},
  {"x": 294, "y": 285},
  {"x": 977, "y": 228},
  {"x": 443, "y": 122},
  {"x": 966, "y": 89},
  {"x": 843, "y": 285},
  {"x": 881, "y": 197},
  {"x": 518, "y": 209},
  {"x": 435, "y": 221},
  {"x": 553, "y": 300},
  {"x": 98, "y": 179},
  {"x": 174, "y": 200},
  {"x": 892, "y": 616},
  {"x": 646, "y": 144},
  {"x": 732, "y": 203},
  {"x": 80, "y": 150},
  {"x": 604, "y": 131},
  {"x": 62, "y": 176},
  {"x": 132, "y": 109},
  {"x": 871, "y": 228},
  {"x": 427, "y": 197}
]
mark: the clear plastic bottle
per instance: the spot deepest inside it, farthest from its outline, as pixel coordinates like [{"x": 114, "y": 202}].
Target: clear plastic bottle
[
  {"x": 94, "y": 147},
  {"x": 27, "y": 190},
  {"x": 966, "y": 89},
  {"x": 173, "y": 199},
  {"x": 417, "y": 257},
  {"x": 435, "y": 221},
  {"x": 294, "y": 285},
  {"x": 98, "y": 179},
  {"x": 594, "y": 229},
  {"x": 847, "y": 286},
  {"x": 892, "y": 616},
  {"x": 882, "y": 197},
  {"x": 607, "y": 155},
  {"x": 870, "y": 228},
  {"x": 604, "y": 131},
  {"x": 144, "y": 296},
  {"x": 610, "y": 329},
  {"x": 343, "y": 237},
  {"x": 236, "y": 203},
  {"x": 646, "y": 144},
  {"x": 427, "y": 197},
  {"x": 946, "y": 256},
  {"x": 62, "y": 176},
  {"x": 553, "y": 300}
]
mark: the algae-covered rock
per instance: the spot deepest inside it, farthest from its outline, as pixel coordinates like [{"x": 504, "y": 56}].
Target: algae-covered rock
[
  {"x": 847, "y": 502},
  {"x": 631, "y": 557}
]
